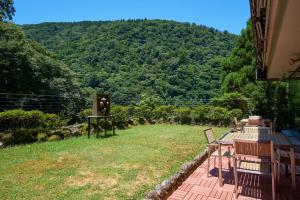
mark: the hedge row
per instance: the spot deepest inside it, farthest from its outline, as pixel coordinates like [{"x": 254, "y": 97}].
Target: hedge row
[
  {"x": 204, "y": 114},
  {"x": 19, "y": 126}
]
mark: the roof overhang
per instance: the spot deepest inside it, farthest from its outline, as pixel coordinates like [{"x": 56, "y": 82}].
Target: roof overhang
[{"x": 276, "y": 33}]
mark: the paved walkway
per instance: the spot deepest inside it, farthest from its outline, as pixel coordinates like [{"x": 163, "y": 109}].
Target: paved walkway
[{"x": 199, "y": 187}]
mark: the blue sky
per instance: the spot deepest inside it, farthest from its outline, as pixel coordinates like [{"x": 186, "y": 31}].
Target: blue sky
[{"x": 230, "y": 15}]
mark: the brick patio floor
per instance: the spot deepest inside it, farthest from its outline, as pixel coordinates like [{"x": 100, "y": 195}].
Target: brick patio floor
[{"x": 200, "y": 187}]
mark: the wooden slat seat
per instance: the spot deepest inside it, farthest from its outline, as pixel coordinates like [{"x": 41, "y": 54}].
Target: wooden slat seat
[{"x": 254, "y": 168}]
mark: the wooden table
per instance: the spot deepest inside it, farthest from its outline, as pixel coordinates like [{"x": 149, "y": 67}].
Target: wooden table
[
  {"x": 105, "y": 117},
  {"x": 264, "y": 134}
]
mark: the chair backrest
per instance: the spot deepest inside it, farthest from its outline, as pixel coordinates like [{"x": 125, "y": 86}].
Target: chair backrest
[
  {"x": 251, "y": 148},
  {"x": 251, "y": 129},
  {"x": 235, "y": 121},
  {"x": 209, "y": 135}
]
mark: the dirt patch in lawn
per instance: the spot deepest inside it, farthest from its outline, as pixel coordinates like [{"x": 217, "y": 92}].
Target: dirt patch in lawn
[{"x": 96, "y": 179}]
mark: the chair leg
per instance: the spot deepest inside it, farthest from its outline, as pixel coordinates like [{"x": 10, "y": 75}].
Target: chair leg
[
  {"x": 235, "y": 177},
  {"x": 278, "y": 173},
  {"x": 215, "y": 158},
  {"x": 208, "y": 163},
  {"x": 228, "y": 149},
  {"x": 273, "y": 182}
]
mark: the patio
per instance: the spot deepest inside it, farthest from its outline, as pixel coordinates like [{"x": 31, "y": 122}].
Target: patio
[{"x": 200, "y": 187}]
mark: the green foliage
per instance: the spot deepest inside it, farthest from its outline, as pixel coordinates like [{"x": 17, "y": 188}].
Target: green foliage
[
  {"x": 183, "y": 115},
  {"x": 199, "y": 114},
  {"x": 164, "y": 113},
  {"x": 7, "y": 10},
  {"x": 14, "y": 119},
  {"x": 82, "y": 115},
  {"x": 231, "y": 101},
  {"x": 269, "y": 99},
  {"x": 122, "y": 115},
  {"x": 166, "y": 59},
  {"x": 28, "y": 68},
  {"x": 19, "y": 126}
]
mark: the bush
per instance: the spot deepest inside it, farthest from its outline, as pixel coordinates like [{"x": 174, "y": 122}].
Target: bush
[
  {"x": 122, "y": 115},
  {"x": 84, "y": 114},
  {"x": 199, "y": 114},
  {"x": 18, "y": 136},
  {"x": 232, "y": 101},
  {"x": 217, "y": 115},
  {"x": 164, "y": 113},
  {"x": 144, "y": 113},
  {"x": 14, "y": 119},
  {"x": 183, "y": 115},
  {"x": 19, "y": 126},
  {"x": 41, "y": 137}
]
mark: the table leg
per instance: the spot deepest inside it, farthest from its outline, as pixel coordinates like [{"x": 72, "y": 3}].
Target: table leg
[
  {"x": 113, "y": 125},
  {"x": 105, "y": 126},
  {"x": 89, "y": 127},
  {"x": 293, "y": 168},
  {"x": 97, "y": 129},
  {"x": 220, "y": 165}
]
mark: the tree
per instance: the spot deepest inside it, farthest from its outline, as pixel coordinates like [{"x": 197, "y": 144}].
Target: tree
[
  {"x": 7, "y": 10},
  {"x": 269, "y": 99}
]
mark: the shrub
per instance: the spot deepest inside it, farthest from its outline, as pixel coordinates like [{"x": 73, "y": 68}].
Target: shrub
[
  {"x": 199, "y": 114},
  {"x": 122, "y": 115},
  {"x": 144, "y": 112},
  {"x": 232, "y": 101},
  {"x": 82, "y": 115},
  {"x": 164, "y": 113},
  {"x": 19, "y": 126},
  {"x": 217, "y": 115},
  {"x": 235, "y": 113},
  {"x": 19, "y": 136},
  {"x": 41, "y": 137},
  {"x": 183, "y": 115},
  {"x": 13, "y": 119}
]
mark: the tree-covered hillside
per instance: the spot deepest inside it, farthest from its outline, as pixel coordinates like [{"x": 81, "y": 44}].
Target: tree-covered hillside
[{"x": 127, "y": 58}]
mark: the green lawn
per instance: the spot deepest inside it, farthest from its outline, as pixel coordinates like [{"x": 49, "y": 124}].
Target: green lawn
[{"x": 125, "y": 166}]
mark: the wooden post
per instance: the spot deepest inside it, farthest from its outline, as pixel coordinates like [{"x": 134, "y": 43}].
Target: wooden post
[
  {"x": 220, "y": 165},
  {"x": 293, "y": 167}
]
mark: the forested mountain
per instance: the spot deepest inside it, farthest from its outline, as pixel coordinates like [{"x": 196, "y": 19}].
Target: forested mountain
[
  {"x": 27, "y": 67},
  {"x": 127, "y": 58}
]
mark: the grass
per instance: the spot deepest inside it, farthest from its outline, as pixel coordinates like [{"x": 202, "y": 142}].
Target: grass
[{"x": 126, "y": 166}]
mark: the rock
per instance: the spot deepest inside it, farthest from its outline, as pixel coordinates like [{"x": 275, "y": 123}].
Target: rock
[
  {"x": 41, "y": 137},
  {"x": 153, "y": 195},
  {"x": 54, "y": 138}
]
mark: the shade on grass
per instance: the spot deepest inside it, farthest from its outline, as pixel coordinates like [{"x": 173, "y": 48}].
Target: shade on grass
[{"x": 125, "y": 166}]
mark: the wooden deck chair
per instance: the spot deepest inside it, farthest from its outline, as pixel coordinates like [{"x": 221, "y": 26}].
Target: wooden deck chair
[
  {"x": 262, "y": 162},
  {"x": 238, "y": 125},
  {"x": 213, "y": 147},
  {"x": 250, "y": 129}
]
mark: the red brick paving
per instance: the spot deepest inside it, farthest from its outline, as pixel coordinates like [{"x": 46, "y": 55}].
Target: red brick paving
[{"x": 251, "y": 187}]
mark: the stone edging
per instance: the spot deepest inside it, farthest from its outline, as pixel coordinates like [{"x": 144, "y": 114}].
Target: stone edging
[{"x": 167, "y": 187}]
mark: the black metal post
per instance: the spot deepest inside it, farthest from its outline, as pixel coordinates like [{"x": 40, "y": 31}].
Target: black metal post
[
  {"x": 105, "y": 126},
  {"x": 97, "y": 122},
  {"x": 89, "y": 127},
  {"x": 113, "y": 124}
]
